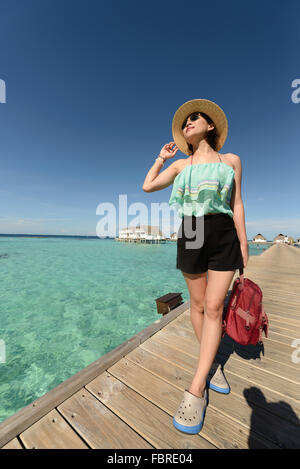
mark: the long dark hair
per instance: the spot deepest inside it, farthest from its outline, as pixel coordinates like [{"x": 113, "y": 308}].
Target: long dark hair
[{"x": 212, "y": 135}]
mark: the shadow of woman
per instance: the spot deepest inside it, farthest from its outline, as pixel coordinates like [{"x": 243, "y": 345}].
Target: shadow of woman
[
  {"x": 248, "y": 352},
  {"x": 274, "y": 421}
]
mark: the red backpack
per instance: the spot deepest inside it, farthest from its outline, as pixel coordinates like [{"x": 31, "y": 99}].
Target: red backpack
[{"x": 244, "y": 318}]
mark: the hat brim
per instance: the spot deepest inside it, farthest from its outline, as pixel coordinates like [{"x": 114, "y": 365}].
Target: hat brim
[{"x": 199, "y": 105}]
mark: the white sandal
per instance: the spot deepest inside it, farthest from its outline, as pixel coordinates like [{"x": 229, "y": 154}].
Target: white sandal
[
  {"x": 189, "y": 416},
  {"x": 216, "y": 379}
]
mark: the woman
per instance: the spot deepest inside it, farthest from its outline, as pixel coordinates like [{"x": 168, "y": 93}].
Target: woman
[{"x": 207, "y": 195}]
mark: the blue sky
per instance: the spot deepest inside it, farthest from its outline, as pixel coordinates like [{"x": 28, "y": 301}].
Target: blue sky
[{"x": 92, "y": 87}]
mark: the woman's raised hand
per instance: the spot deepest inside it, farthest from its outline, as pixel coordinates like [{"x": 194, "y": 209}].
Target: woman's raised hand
[{"x": 169, "y": 150}]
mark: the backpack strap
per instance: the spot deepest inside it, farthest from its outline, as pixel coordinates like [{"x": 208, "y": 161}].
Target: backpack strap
[
  {"x": 241, "y": 271},
  {"x": 260, "y": 335},
  {"x": 265, "y": 321}
]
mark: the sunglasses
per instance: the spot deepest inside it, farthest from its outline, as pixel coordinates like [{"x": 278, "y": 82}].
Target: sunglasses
[{"x": 193, "y": 117}]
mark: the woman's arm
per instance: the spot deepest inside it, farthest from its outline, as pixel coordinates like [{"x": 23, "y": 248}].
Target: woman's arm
[
  {"x": 236, "y": 202},
  {"x": 155, "y": 181}
]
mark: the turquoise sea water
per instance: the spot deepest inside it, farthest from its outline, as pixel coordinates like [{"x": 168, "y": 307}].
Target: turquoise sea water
[{"x": 66, "y": 302}]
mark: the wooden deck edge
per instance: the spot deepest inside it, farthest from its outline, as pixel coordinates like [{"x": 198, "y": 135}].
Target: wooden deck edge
[
  {"x": 271, "y": 249},
  {"x": 27, "y": 416}
]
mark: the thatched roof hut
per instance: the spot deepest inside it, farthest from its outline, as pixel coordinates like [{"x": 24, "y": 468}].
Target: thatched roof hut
[
  {"x": 259, "y": 238},
  {"x": 279, "y": 238}
]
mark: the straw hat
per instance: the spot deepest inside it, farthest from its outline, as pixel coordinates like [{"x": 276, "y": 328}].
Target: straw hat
[{"x": 199, "y": 105}]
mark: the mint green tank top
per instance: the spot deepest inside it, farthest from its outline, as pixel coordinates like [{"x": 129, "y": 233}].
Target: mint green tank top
[{"x": 203, "y": 188}]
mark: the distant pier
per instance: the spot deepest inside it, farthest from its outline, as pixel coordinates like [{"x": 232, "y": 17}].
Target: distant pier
[{"x": 142, "y": 241}]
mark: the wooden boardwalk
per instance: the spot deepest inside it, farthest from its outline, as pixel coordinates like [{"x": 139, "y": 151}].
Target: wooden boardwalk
[{"x": 127, "y": 398}]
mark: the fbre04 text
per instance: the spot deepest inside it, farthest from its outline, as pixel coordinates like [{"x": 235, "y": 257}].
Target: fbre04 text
[{"x": 174, "y": 458}]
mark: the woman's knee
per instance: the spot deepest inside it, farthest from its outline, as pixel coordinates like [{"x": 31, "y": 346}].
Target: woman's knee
[
  {"x": 213, "y": 310},
  {"x": 197, "y": 307}
]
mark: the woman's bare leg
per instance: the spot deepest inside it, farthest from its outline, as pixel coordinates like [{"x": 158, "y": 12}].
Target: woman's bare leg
[
  {"x": 196, "y": 284},
  {"x": 215, "y": 294}
]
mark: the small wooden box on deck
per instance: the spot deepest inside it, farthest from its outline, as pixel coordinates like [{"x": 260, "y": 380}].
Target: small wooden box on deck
[{"x": 167, "y": 302}]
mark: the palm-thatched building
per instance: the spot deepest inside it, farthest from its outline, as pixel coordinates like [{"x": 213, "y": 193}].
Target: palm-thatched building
[
  {"x": 259, "y": 238},
  {"x": 279, "y": 238}
]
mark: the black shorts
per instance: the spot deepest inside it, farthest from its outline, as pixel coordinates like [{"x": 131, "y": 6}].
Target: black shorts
[{"x": 217, "y": 246}]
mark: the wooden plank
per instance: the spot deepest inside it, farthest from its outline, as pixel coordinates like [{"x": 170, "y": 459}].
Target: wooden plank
[
  {"x": 25, "y": 417},
  {"x": 97, "y": 425},
  {"x": 184, "y": 339},
  {"x": 270, "y": 357},
  {"x": 278, "y": 312},
  {"x": 284, "y": 279},
  {"x": 283, "y": 275},
  {"x": 285, "y": 313},
  {"x": 281, "y": 291},
  {"x": 281, "y": 272},
  {"x": 181, "y": 366},
  {"x": 281, "y": 351},
  {"x": 272, "y": 349},
  {"x": 51, "y": 432},
  {"x": 262, "y": 419},
  {"x": 254, "y": 373},
  {"x": 285, "y": 307},
  {"x": 218, "y": 429},
  {"x": 271, "y": 283},
  {"x": 13, "y": 444},
  {"x": 278, "y": 337},
  {"x": 286, "y": 328},
  {"x": 285, "y": 302},
  {"x": 278, "y": 317},
  {"x": 151, "y": 422},
  {"x": 272, "y": 268},
  {"x": 286, "y": 332},
  {"x": 283, "y": 324}
]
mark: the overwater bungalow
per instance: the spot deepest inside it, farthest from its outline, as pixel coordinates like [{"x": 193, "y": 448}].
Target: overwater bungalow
[
  {"x": 279, "y": 238},
  {"x": 259, "y": 238},
  {"x": 284, "y": 239},
  {"x": 141, "y": 234}
]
